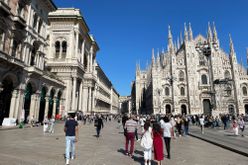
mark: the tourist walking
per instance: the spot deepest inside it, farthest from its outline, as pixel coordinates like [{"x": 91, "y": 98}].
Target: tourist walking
[
  {"x": 146, "y": 143},
  {"x": 71, "y": 137},
  {"x": 51, "y": 123},
  {"x": 130, "y": 127},
  {"x": 99, "y": 125},
  {"x": 241, "y": 124},
  {"x": 45, "y": 125},
  {"x": 201, "y": 121},
  {"x": 167, "y": 133},
  {"x": 158, "y": 143},
  {"x": 235, "y": 127}
]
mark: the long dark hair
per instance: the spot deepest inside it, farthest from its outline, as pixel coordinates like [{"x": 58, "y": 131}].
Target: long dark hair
[{"x": 156, "y": 128}]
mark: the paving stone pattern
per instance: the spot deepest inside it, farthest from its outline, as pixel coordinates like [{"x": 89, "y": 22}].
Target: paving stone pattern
[{"x": 30, "y": 146}]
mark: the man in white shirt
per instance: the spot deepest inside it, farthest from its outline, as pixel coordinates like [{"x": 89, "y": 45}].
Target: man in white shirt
[{"x": 168, "y": 131}]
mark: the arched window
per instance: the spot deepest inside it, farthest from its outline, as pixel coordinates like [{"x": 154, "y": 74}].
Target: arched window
[
  {"x": 14, "y": 48},
  {"x": 204, "y": 79},
  {"x": 35, "y": 21},
  {"x": 57, "y": 49},
  {"x": 244, "y": 89},
  {"x": 228, "y": 91},
  {"x": 227, "y": 75},
  {"x": 182, "y": 91},
  {"x": 64, "y": 48},
  {"x": 167, "y": 91},
  {"x": 181, "y": 76},
  {"x": 40, "y": 25}
]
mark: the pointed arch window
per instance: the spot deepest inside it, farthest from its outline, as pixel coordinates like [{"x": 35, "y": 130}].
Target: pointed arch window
[
  {"x": 244, "y": 89},
  {"x": 40, "y": 26},
  {"x": 182, "y": 91},
  {"x": 167, "y": 91},
  {"x": 57, "y": 49},
  {"x": 35, "y": 21},
  {"x": 204, "y": 79},
  {"x": 64, "y": 49},
  {"x": 181, "y": 76},
  {"x": 227, "y": 75}
]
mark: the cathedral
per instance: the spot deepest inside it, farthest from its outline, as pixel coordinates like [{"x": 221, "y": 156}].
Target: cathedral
[
  {"x": 48, "y": 64},
  {"x": 193, "y": 76}
]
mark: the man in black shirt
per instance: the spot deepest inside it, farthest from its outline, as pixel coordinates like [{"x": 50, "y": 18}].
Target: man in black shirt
[
  {"x": 98, "y": 125},
  {"x": 71, "y": 137}
]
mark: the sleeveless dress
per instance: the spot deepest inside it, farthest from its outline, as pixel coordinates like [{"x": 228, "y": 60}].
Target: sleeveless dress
[{"x": 158, "y": 146}]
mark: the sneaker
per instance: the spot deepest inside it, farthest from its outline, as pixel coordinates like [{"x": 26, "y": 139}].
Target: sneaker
[
  {"x": 67, "y": 162},
  {"x": 72, "y": 157}
]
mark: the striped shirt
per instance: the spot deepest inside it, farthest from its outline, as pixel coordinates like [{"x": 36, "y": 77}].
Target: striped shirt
[{"x": 131, "y": 125}]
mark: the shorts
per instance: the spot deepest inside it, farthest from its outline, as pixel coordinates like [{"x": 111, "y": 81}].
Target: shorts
[{"x": 148, "y": 154}]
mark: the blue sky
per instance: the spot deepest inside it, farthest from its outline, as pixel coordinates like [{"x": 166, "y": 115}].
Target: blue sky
[{"x": 127, "y": 30}]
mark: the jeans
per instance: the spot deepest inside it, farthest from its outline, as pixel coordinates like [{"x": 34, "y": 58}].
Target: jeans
[
  {"x": 98, "y": 130},
  {"x": 70, "y": 146}
]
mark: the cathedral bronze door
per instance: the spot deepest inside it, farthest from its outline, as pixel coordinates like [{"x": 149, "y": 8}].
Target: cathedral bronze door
[
  {"x": 167, "y": 109},
  {"x": 207, "y": 107},
  {"x": 231, "y": 109},
  {"x": 184, "y": 109},
  {"x": 246, "y": 108}
]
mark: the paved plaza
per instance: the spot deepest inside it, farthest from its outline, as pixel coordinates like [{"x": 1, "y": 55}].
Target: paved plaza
[{"x": 30, "y": 146}]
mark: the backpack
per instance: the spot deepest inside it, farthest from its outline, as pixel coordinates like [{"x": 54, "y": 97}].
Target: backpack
[
  {"x": 146, "y": 140},
  {"x": 96, "y": 123}
]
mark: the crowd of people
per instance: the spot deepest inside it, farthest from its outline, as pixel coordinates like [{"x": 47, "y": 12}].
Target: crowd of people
[{"x": 152, "y": 132}]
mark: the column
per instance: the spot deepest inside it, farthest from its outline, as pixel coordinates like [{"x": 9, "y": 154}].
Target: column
[
  {"x": 2, "y": 41},
  {"x": 80, "y": 96},
  {"x": 77, "y": 38},
  {"x": 24, "y": 52},
  {"x": 13, "y": 104},
  {"x": 54, "y": 106},
  {"x": 89, "y": 100},
  {"x": 37, "y": 106},
  {"x": 46, "y": 107},
  {"x": 32, "y": 106},
  {"x": 29, "y": 56},
  {"x": 74, "y": 94},
  {"x": 83, "y": 51},
  {"x": 11, "y": 46},
  {"x": 88, "y": 62},
  {"x": 91, "y": 58},
  {"x": 93, "y": 99},
  {"x": 37, "y": 24},
  {"x": 19, "y": 104},
  {"x": 85, "y": 99}
]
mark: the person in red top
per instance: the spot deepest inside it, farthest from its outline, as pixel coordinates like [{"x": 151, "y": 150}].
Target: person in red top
[{"x": 158, "y": 143}]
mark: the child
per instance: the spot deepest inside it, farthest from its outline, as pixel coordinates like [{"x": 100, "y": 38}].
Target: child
[{"x": 146, "y": 143}]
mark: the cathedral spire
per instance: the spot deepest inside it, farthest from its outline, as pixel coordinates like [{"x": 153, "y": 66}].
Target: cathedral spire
[
  {"x": 215, "y": 37},
  {"x": 185, "y": 32},
  {"x": 181, "y": 38},
  {"x": 178, "y": 44},
  {"x": 232, "y": 52},
  {"x": 231, "y": 45},
  {"x": 190, "y": 33},
  {"x": 170, "y": 40},
  {"x": 153, "y": 57},
  {"x": 158, "y": 59},
  {"x": 210, "y": 35}
]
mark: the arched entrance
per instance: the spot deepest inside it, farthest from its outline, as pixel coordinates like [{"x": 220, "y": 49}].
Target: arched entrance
[
  {"x": 183, "y": 109},
  {"x": 231, "y": 109},
  {"x": 27, "y": 96},
  {"x": 207, "y": 107},
  {"x": 42, "y": 104},
  {"x": 5, "y": 98},
  {"x": 246, "y": 108},
  {"x": 50, "y": 111},
  {"x": 168, "y": 109}
]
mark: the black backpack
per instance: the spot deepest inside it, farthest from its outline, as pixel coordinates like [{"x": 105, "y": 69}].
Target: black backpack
[{"x": 96, "y": 123}]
